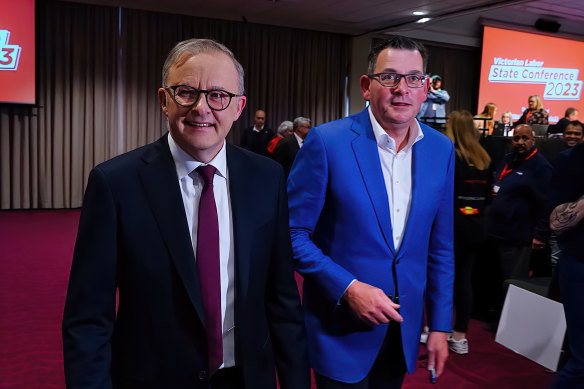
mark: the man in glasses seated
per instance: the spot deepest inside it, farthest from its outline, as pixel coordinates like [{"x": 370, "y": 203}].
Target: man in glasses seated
[
  {"x": 207, "y": 295},
  {"x": 370, "y": 200}
]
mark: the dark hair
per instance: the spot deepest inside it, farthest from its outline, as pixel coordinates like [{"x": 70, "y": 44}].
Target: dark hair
[
  {"x": 574, "y": 123},
  {"x": 397, "y": 42},
  {"x": 570, "y": 111}
]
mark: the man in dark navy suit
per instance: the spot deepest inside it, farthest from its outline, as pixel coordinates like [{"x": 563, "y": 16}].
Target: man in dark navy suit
[
  {"x": 207, "y": 297},
  {"x": 257, "y": 137}
]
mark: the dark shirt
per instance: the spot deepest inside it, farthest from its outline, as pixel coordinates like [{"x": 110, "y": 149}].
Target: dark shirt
[
  {"x": 567, "y": 187},
  {"x": 520, "y": 205},
  {"x": 559, "y": 127},
  {"x": 471, "y": 192},
  {"x": 256, "y": 141},
  {"x": 536, "y": 116}
]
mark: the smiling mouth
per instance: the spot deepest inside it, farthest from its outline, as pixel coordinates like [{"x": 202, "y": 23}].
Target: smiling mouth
[{"x": 195, "y": 124}]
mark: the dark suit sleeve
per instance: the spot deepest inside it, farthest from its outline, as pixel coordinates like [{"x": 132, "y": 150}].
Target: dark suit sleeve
[
  {"x": 282, "y": 155},
  {"x": 90, "y": 307},
  {"x": 283, "y": 308}
]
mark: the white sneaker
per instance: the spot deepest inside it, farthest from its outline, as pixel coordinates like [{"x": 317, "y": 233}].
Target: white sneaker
[
  {"x": 424, "y": 335},
  {"x": 458, "y": 346}
]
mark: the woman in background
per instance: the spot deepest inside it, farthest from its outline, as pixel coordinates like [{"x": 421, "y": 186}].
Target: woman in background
[
  {"x": 471, "y": 190},
  {"x": 488, "y": 112},
  {"x": 534, "y": 114},
  {"x": 284, "y": 129},
  {"x": 503, "y": 126}
]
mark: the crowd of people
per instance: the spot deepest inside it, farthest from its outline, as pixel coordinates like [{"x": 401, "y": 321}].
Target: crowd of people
[{"x": 183, "y": 269}]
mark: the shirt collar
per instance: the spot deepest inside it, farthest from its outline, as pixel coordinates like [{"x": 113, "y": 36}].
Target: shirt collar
[
  {"x": 387, "y": 142},
  {"x": 185, "y": 163},
  {"x": 299, "y": 140}
]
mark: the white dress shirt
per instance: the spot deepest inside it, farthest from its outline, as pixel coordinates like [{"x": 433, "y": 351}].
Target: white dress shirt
[
  {"x": 397, "y": 173},
  {"x": 191, "y": 186},
  {"x": 299, "y": 140}
]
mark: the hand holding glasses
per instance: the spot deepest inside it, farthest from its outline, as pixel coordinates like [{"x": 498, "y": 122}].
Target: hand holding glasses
[
  {"x": 391, "y": 80},
  {"x": 187, "y": 96}
]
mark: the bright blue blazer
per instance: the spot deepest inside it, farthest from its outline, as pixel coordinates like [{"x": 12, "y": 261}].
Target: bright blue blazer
[{"x": 341, "y": 230}]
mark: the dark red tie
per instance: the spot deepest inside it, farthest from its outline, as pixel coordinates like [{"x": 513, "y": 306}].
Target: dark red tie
[{"x": 208, "y": 266}]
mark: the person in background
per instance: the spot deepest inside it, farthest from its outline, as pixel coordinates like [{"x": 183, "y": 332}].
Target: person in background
[
  {"x": 486, "y": 126},
  {"x": 287, "y": 148},
  {"x": 534, "y": 114},
  {"x": 284, "y": 129},
  {"x": 570, "y": 115},
  {"x": 567, "y": 221},
  {"x": 573, "y": 134},
  {"x": 504, "y": 126},
  {"x": 256, "y": 137},
  {"x": 471, "y": 191},
  {"x": 517, "y": 220},
  {"x": 433, "y": 110}
]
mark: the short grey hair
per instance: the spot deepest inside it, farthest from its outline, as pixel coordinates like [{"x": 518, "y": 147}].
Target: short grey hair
[
  {"x": 286, "y": 125},
  {"x": 192, "y": 47},
  {"x": 299, "y": 121}
]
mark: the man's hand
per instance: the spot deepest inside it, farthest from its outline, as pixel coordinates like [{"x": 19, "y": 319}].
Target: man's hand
[
  {"x": 537, "y": 244},
  {"x": 370, "y": 304},
  {"x": 437, "y": 351}
]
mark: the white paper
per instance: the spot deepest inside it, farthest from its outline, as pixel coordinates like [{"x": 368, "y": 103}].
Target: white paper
[{"x": 533, "y": 326}]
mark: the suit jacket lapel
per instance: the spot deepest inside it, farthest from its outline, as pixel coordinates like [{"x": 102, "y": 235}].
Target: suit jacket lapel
[
  {"x": 159, "y": 179},
  {"x": 421, "y": 156},
  {"x": 241, "y": 196},
  {"x": 365, "y": 150}
]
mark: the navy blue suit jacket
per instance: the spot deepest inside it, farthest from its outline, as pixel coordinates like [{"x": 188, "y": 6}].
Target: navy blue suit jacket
[{"x": 134, "y": 239}]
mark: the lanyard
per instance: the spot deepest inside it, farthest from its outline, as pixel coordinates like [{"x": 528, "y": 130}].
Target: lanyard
[{"x": 506, "y": 171}]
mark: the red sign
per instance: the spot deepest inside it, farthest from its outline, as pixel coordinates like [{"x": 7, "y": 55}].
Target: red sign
[{"x": 17, "y": 52}]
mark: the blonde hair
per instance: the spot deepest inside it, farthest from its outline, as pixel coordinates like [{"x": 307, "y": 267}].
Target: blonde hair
[
  {"x": 461, "y": 130},
  {"x": 538, "y": 102},
  {"x": 489, "y": 112}
]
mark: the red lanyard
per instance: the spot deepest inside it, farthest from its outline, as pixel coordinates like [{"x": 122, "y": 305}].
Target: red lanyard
[{"x": 506, "y": 172}]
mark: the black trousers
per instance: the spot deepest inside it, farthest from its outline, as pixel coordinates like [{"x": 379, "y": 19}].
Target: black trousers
[
  {"x": 229, "y": 378},
  {"x": 388, "y": 371}
]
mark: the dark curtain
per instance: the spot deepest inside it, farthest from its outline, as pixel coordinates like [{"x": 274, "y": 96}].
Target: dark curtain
[{"x": 98, "y": 74}]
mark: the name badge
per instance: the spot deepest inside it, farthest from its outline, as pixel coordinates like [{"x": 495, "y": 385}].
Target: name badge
[{"x": 496, "y": 188}]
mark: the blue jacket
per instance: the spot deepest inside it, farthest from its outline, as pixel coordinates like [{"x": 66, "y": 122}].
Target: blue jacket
[
  {"x": 520, "y": 209},
  {"x": 341, "y": 230},
  {"x": 434, "y": 106}
]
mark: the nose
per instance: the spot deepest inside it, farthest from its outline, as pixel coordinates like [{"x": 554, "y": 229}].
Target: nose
[
  {"x": 401, "y": 85},
  {"x": 201, "y": 106}
]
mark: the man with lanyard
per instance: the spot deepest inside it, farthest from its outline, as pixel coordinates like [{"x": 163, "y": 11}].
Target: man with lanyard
[{"x": 517, "y": 219}]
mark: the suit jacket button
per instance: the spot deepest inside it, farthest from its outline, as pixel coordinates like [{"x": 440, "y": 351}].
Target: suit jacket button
[{"x": 203, "y": 375}]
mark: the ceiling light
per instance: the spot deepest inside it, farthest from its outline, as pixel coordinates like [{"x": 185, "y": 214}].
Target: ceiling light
[
  {"x": 423, "y": 20},
  {"x": 420, "y": 13}
]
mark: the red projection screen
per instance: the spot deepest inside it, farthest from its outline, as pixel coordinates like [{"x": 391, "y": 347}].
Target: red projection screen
[
  {"x": 516, "y": 65},
  {"x": 17, "y": 52}
]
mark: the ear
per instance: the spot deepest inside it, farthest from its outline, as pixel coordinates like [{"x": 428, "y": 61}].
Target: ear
[
  {"x": 241, "y": 100},
  {"x": 426, "y": 88},
  {"x": 162, "y": 96},
  {"x": 365, "y": 82}
]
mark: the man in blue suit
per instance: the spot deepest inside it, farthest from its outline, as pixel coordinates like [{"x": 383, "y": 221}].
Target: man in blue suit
[
  {"x": 370, "y": 199},
  {"x": 207, "y": 296}
]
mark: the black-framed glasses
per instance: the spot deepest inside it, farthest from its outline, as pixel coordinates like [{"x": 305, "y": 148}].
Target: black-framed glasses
[
  {"x": 187, "y": 96},
  {"x": 392, "y": 79}
]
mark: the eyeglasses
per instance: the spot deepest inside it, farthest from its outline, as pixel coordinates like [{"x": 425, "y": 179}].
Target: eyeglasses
[
  {"x": 390, "y": 80},
  {"x": 187, "y": 96}
]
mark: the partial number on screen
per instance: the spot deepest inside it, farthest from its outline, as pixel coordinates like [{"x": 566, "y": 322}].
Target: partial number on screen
[{"x": 563, "y": 90}]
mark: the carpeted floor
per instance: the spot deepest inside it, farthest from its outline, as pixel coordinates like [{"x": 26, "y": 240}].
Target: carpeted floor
[{"x": 35, "y": 256}]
